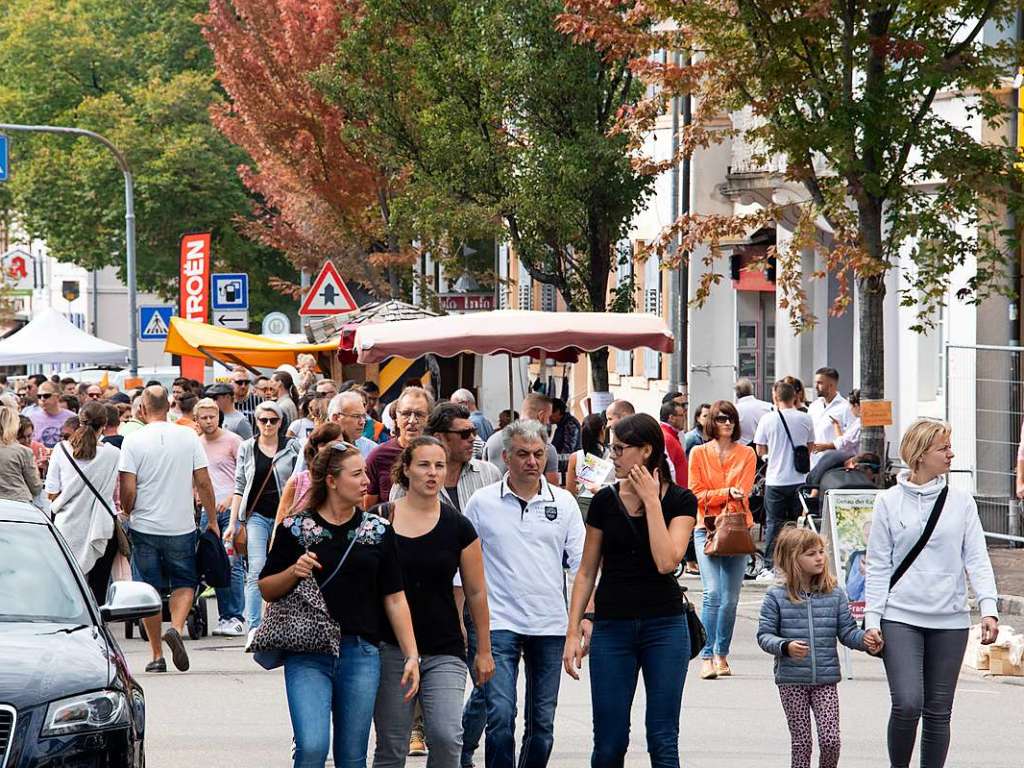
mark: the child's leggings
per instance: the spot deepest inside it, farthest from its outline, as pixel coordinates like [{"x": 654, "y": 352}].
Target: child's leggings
[{"x": 797, "y": 702}]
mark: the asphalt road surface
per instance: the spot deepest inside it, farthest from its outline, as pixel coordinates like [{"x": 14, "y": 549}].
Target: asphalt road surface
[{"x": 227, "y": 711}]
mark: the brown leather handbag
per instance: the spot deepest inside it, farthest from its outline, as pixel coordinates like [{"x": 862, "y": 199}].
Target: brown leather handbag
[{"x": 728, "y": 534}]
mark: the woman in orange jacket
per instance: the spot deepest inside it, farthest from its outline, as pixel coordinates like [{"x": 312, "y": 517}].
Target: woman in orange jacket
[{"x": 721, "y": 477}]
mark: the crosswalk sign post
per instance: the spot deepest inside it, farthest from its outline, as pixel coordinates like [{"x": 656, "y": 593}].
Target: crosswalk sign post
[
  {"x": 155, "y": 322},
  {"x": 5, "y": 168}
]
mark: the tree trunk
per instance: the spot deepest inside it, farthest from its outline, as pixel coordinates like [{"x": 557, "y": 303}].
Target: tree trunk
[
  {"x": 599, "y": 369},
  {"x": 871, "y": 313}
]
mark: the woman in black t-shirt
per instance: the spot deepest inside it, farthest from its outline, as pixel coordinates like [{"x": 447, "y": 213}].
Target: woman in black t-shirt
[
  {"x": 434, "y": 543},
  {"x": 637, "y": 532},
  {"x": 322, "y": 687}
]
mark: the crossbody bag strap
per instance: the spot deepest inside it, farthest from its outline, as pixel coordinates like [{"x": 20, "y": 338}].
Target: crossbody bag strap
[
  {"x": 251, "y": 502},
  {"x": 85, "y": 480},
  {"x": 929, "y": 528},
  {"x": 344, "y": 557},
  {"x": 785, "y": 426}
]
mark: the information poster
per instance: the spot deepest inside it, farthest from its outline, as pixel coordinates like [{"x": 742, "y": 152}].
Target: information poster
[{"x": 847, "y": 524}]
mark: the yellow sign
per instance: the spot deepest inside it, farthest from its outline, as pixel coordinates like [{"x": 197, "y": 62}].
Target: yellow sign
[{"x": 876, "y": 413}]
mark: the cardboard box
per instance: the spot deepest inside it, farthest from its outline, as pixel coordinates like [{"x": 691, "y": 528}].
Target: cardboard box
[{"x": 999, "y": 663}]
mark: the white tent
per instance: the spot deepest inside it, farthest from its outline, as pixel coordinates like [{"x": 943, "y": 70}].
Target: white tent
[{"x": 50, "y": 338}]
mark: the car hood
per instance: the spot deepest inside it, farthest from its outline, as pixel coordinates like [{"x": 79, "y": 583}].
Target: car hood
[{"x": 42, "y": 662}]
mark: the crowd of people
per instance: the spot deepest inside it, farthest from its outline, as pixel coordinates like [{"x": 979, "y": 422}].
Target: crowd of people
[{"x": 441, "y": 546}]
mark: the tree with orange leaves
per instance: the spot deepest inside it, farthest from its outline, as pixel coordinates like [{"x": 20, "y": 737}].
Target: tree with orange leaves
[
  {"x": 845, "y": 91},
  {"x": 323, "y": 194}
]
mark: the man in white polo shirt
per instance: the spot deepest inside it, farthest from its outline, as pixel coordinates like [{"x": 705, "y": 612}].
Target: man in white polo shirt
[
  {"x": 828, "y": 408},
  {"x": 526, "y": 527}
]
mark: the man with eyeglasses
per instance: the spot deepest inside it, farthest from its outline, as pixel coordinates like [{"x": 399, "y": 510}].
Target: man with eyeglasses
[
  {"x": 245, "y": 398},
  {"x": 49, "y": 418},
  {"x": 348, "y": 411},
  {"x": 411, "y": 413}
]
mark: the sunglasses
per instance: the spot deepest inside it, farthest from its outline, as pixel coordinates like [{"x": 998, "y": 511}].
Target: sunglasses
[
  {"x": 341, "y": 445},
  {"x": 268, "y": 420},
  {"x": 46, "y": 395},
  {"x": 95, "y": 395},
  {"x": 464, "y": 434},
  {"x": 241, "y": 382},
  {"x": 721, "y": 419},
  {"x": 412, "y": 415}
]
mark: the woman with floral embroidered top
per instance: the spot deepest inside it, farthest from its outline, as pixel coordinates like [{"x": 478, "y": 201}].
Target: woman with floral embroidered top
[{"x": 320, "y": 687}]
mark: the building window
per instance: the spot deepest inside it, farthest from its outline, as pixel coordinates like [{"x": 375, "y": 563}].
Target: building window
[
  {"x": 525, "y": 288},
  {"x": 548, "y": 298}
]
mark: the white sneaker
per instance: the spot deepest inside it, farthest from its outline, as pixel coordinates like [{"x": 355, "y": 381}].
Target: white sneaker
[
  {"x": 233, "y": 628},
  {"x": 765, "y": 576},
  {"x": 221, "y": 628}
]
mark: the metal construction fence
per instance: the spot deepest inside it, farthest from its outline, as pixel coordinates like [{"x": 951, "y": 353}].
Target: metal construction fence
[{"x": 985, "y": 405}]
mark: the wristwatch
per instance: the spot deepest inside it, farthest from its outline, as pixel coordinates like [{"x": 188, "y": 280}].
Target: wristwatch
[{"x": 588, "y": 616}]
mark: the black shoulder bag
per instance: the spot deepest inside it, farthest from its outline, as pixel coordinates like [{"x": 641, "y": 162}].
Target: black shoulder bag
[
  {"x": 801, "y": 456},
  {"x": 929, "y": 528},
  {"x": 124, "y": 544},
  {"x": 695, "y": 629}
]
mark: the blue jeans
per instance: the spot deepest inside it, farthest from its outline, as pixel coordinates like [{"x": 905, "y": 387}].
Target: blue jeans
[
  {"x": 258, "y": 530},
  {"x": 231, "y": 599},
  {"x": 543, "y": 660},
  {"x": 474, "y": 714},
  {"x": 620, "y": 649},
  {"x": 323, "y": 688},
  {"x": 165, "y": 562},
  {"x": 722, "y": 578},
  {"x": 781, "y": 506}
]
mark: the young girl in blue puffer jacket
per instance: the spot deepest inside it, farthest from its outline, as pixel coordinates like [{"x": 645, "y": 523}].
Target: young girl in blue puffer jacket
[{"x": 801, "y": 620}]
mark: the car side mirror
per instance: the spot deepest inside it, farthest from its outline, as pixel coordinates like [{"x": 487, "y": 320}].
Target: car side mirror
[{"x": 129, "y": 601}]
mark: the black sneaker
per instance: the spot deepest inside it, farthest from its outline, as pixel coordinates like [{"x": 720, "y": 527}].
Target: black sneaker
[
  {"x": 178, "y": 654},
  {"x": 157, "y": 665}
]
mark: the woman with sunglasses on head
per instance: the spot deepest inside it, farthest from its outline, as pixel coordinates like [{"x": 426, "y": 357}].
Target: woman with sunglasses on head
[
  {"x": 328, "y": 693},
  {"x": 295, "y": 496},
  {"x": 434, "y": 543},
  {"x": 721, "y": 477},
  {"x": 637, "y": 532},
  {"x": 265, "y": 462}
]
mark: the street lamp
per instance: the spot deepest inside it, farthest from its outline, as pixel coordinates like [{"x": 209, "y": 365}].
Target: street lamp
[{"x": 129, "y": 222}]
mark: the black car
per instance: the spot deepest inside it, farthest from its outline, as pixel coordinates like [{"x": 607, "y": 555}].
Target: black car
[{"x": 67, "y": 698}]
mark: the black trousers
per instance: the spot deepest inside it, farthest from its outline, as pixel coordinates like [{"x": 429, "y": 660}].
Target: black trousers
[{"x": 99, "y": 577}]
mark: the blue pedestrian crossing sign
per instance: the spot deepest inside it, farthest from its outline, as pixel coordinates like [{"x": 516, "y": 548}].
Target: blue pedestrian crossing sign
[
  {"x": 5, "y": 168},
  {"x": 155, "y": 322},
  {"x": 229, "y": 291}
]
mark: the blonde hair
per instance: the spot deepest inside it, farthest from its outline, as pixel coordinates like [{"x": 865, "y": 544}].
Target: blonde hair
[
  {"x": 918, "y": 439},
  {"x": 792, "y": 543},
  {"x": 9, "y": 423},
  {"x": 206, "y": 404}
]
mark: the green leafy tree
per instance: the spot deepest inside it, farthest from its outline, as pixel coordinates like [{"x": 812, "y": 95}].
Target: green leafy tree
[
  {"x": 501, "y": 128},
  {"x": 848, "y": 92},
  {"x": 140, "y": 74}
]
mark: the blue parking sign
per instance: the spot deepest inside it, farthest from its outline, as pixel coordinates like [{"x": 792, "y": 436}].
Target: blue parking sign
[
  {"x": 155, "y": 322},
  {"x": 5, "y": 168},
  {"x": 229, "y": 291}
]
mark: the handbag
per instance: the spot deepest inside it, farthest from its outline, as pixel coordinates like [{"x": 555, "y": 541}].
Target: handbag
[
  {"x": 694, "y": 627},
  {"x": 298, "y": 623},
  {"x": 801, "y": 454},
  {"x": 124, "y": 544},
  {"x": 241, "y": 538},
  {"x": 727, "y": 534}
]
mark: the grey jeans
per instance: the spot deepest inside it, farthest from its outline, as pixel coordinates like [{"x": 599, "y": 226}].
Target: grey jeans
[
  {"x": 922, "y": 666},
  {"x": 442, "y": 690}
]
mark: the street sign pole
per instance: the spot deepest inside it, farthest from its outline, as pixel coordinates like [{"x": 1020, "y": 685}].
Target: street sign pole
[{"x": 129, "y": 223}]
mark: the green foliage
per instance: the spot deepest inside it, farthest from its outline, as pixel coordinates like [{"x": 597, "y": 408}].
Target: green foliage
[
  {"x": 501, "y": 127},
  {"x": 139, "y": 73}
]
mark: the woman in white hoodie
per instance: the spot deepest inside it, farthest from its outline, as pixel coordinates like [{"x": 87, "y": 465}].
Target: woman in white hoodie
[{"x": 923, "y": 616}]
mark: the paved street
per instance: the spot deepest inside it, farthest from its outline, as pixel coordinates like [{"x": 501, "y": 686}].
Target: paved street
[{"x": 226, "y": 711}]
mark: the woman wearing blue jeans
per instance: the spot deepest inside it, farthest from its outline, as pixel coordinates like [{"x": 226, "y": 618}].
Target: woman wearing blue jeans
[
  {"x": 637, "y": 533},
  {"x": 323, "y": 689},
  {"x": 264, "y": 464},
  {"x": 721, "y": 476}
]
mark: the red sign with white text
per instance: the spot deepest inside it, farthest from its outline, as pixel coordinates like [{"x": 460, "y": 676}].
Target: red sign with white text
[{"x": 194, "y": 282}]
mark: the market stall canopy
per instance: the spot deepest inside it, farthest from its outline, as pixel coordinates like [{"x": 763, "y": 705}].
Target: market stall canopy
[
  {"x": 560, "y": 335},
  {"x": 51, "y": 338},
  {"x": 195, "y": 339}
]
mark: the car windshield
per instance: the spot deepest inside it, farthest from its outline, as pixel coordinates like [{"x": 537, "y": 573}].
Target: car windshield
[{"x": 36, "y": 581}]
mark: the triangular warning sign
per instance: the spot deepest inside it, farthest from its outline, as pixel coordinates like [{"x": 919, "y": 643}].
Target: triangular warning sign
[
  {"x": 329, "y": 295},
  {"x": 156, "y": 326}
]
